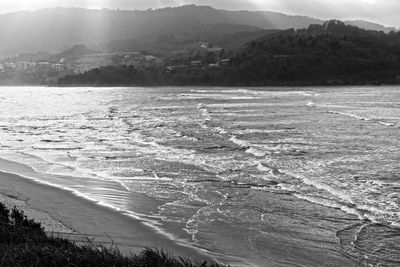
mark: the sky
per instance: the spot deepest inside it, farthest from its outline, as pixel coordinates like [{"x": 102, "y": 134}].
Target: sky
[{"x": 380, "y": 11}]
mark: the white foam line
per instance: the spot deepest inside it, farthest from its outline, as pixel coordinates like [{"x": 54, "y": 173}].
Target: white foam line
[
  {"x": 370, "y": 211},
  {"x": 331, "y": 204},
  {"x": 245, "y": 144},
  {"x": 362, "y": 118},
  {"x": 143, "y": 178},
  {"x": 263, "y": 168},
  {"x": 322, "y": 186},
  {"x": 395, "y": 225},
  {"x": 310, "y": 104},
  {"x": 386, "y": 123},
  {"x": 350, "y": 115},
  {"x": 251, "y": 131}
]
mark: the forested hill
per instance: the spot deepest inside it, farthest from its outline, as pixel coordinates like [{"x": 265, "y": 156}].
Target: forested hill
[
  {"x": 57, "y": 29},
  {"x": 333, "y": 53},
  {"x": 329, "y": 54}
]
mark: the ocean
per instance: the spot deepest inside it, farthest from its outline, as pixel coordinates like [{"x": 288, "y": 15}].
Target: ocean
[{"x": 252, "y": 176}]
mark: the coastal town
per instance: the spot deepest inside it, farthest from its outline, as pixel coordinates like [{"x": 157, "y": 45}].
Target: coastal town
[
  {"x": 81, "y": 64},
  {"x": 80, "y": 59}
]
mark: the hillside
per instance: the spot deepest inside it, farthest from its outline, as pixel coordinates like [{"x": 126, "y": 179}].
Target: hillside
[
  {"x": 269, "y": 20},
  {"x": 57, "y": 29},
  {"x": 334, "y": 53},
  {"x": 369, "y": 25},
  {"x": 76, "y": 51},
  {"x": 330, "y": 54}
]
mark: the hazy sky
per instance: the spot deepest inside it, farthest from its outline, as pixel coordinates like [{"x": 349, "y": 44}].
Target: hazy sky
[{"x": 382, "y": 11}]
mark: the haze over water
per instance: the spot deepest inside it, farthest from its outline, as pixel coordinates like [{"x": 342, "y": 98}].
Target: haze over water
[{"x": 273, "y": 176}]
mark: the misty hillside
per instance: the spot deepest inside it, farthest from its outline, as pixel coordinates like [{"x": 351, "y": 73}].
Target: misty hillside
[
  {"x": 330, "y": 54},
  {"x": 269, "y": 20},
  {"x": 369, "y": 25},
  {"x": 57, "y": 29}
]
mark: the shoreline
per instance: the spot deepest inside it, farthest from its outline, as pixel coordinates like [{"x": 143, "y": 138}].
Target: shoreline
[
  {"x": 202, "y": 86},
  {"x": 82, "y": 217},
  {"x": 61, "y": 211}
]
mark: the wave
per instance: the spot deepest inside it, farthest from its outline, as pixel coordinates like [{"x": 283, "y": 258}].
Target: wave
[
  {"x": 310, "y": 103},
  {"x": 213, "y": 91},
  {"x": 343, "y": 196},
  {"x": 350, "y": 115},
  {"x": 263, "y": 168},
  {"x": 65, "y": 147},
  {"x": 246, "y": 91},
  {"x": 341, "y": 199},
  {"x": 331, "y": 204},
  {"x": 272, "y": 171},
  {"x": 250, "y": 149},
  {"x": 256, "y": 131},
  {"x": 214, "y": 96},
  {"x": 386, "y": 123},
  {"x": 374, "y": 120},
  {"x": 204, "y": 112}
]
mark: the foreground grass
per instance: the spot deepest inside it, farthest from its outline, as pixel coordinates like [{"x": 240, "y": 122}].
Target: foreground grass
[{"x": 23, "y": 242}]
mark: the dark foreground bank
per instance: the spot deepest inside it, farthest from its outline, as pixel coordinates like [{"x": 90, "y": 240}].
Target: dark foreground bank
[{"x": 23, "y": 242}]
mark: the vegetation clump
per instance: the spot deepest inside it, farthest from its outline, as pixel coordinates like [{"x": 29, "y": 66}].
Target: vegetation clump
[{"x": 23, "y": 242}]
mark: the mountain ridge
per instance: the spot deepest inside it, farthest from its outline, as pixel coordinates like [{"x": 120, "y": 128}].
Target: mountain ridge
[{"x": 57, "y": 29}]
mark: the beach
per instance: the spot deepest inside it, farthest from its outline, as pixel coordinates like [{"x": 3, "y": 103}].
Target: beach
[{"x": 62, "y": 213}]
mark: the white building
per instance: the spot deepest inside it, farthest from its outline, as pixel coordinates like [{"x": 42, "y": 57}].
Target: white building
[
  {"x": 25, "y": 66},
  {"x": 44, "y": 66},
  {"x": 195, "y": 63},
  {"x": 9, "y": 66},
  {"x": 58, "y": 67}
]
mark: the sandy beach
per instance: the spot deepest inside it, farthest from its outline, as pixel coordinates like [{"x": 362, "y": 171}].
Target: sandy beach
[{"x": 62, "y": 212}]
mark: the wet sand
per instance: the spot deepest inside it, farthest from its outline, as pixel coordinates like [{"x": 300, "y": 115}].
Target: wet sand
[{"x": 62, "y": 211}]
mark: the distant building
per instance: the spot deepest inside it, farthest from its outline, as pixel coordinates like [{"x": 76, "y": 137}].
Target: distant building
[
  {"x": 213, "y": 65},
  {"x": 58, "y": 67},
  {"x": 204, "y": 45},
  {"x": 2, "y": 69},
  {"x": 131, "y": 60},
  {"x": 195, "y": 63},
  {"x": 152, "y": 61},
  {"x": 43, "y": 66},
  {"x": 72, "y": 68},
  {"x": 88, "y": 62},
  {"x": 224, "y": 62},
  {"x": 9, "y": 66},
  {"x": 25, "y": 66},
  {"x": 170, "y": 68}
]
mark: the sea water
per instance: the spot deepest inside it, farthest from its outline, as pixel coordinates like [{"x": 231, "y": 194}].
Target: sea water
[{"x": 265, "y": 176}]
